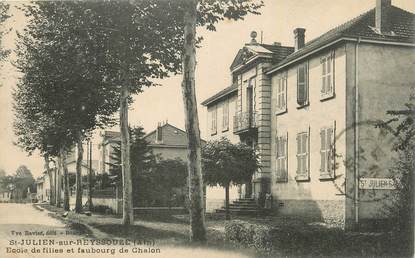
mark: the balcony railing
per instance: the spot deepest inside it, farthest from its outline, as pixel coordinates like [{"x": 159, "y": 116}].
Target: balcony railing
[{"x": 244, "y": 121}]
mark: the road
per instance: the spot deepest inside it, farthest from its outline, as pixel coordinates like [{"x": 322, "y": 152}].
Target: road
[{"x": 28, "y": 232}]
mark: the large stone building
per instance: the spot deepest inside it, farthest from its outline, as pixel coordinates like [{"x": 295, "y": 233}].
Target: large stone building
[{"x": 310, "y": 111}]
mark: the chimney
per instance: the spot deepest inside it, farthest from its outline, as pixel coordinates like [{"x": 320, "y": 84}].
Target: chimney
[
  {"x": 382, "y": 22},
  {"x": 159, "y": 133},
  {"x": 253, "y": 38},
  {"x": 299, "y": 38}
]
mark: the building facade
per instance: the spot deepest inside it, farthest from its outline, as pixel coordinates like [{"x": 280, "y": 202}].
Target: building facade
[
  {"x": 315, "y": 111},
  {"x": 166, "y": 142}
]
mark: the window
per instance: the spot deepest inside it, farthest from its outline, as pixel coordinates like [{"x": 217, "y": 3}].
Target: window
[
  {"x": 250, "y": 98},
  {"x": 225, "y": 116},
  {"x": 327, "y": 152},
  {"x": 302, "y": 84},
  {"x": 213, "y": 128},
  {"x": 281, "y": 94},
  {"x": 281, "y": 162},
  {"x": 303, "y": 154},
  {"x": 327, "y": 76}
]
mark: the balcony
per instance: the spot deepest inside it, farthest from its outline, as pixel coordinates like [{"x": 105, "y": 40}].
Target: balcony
[{"x": 244, "y": 122}]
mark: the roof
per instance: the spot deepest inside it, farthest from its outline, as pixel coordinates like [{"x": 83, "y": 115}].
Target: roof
[
  {"x": 221, "y": 94},
  {"x": 172, "y": 137},
  {"x": 402, "y": 25},
  {"x": 274, "y": 52}
]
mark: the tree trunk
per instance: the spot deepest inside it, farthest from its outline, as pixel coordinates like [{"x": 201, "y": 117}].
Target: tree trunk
[
  {"x": 51, "y": 180},
  {"x": 58, "y": 184},
  {"x": 127, "y": 215},
  {"x": 78, "y": 192},
  {"x": 66, "y": 206},
  {"x": 227, "y": 216},
  {"x": 90, "y": 206},
  {"x": 248, "y": 189},
  {"x": 197, "y": 216}
]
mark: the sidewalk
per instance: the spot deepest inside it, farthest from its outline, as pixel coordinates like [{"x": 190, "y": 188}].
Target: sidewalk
[
  {"x": 170, "y": 234},
  {"x": 291, "y": 237}
]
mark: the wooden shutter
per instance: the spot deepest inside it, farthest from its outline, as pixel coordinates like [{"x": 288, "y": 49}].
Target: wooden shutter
[
  {"x": 332, "y": 152},
  {"x": 214, "y": 119},
  {"x": 225, "y": 115},
  {"x": 323, "y": 74},
  {"x": 323, "y": 150},
  {"x": 328, "y": 74},
  {"x": 299, "y": 163},
  {"x": 303, "y": 156},
  {"x": 301, "y": 90},
  {"x": 332, "y": 62},
  {"x": 279, "y": 106},
  {"x": 306, "y": 153},
  {"x": 284, "y": 93},
  {"x": 328, "y": 152},
  {"x": 281, "y": 160}
]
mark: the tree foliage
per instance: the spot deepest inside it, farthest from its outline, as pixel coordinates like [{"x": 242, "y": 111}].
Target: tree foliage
[
  {"x": 4, "y": 8},
  {"x": 18, "y": 183},
  {"x": 163, "y": 184},
  {"x": 142, "y": 157},
  {"x": 225, "y": 163},
  {"x": 402, "y": 126}
]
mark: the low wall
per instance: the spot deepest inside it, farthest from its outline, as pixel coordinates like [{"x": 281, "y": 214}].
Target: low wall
[
  {"x": 160, "y": 210},
  {"x": 329, "y": 211},
  {"x": 213, "y": 204}
]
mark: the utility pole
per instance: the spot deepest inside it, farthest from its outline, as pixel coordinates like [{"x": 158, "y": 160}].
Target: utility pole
[{"x": 90, "y": 206}]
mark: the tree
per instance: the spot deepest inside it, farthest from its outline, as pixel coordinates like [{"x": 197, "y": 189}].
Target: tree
[
  {"x": 58, "y": 59},
  {"x": 4, "y": 8},
  {"x": 23, "y": 180},
  {"x": 140, "y": 51},
  {"x": 202, "y": 13},
  {"x": 402, "y": 126},
  {"x": 142, "y": 159},
  {"x": 166, "y": 176},
  {"x": 225, "y": 164}
]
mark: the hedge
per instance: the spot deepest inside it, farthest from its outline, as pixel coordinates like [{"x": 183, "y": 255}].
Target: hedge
[{"x": 247, "y": 234}]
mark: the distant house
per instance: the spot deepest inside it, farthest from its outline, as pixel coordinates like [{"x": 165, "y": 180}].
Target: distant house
[
  {"x": 5, "y": 194},
  {"x": 43, "y": 188},
  {"x": 166, "y": 141}
]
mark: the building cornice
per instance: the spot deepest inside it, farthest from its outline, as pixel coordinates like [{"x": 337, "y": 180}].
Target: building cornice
[{"x": 350, "y": 39}]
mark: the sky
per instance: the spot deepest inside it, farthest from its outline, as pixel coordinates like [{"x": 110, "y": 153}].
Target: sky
[{"x": 164, "y": 103}]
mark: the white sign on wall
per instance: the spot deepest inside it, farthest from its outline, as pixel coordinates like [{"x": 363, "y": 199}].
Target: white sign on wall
[{"x": 377, "y": 183}]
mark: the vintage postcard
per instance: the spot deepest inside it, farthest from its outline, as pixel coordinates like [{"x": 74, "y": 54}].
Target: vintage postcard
[{"x": 207, "y": 128}]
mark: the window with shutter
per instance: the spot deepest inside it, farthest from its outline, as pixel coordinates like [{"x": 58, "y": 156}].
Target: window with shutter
[
  {"x": 303, "y": 171},
  {"x": 281, "y": 94},
  {"x": 327, "y": 152},
  {"x": 214, "y": 121},
  {"x": 281, "y": 160},
  {"x": 225, "y": 116},
  {"x": 302, "y": 84},
  {"x": 327, "y": 76}
]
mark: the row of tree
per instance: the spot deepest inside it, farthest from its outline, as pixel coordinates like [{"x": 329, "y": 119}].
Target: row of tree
[
  {"x": 19, "y": 184},
  {"x": 81, "y": 61}
]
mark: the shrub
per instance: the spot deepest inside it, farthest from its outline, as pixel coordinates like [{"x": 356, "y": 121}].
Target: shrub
[
  {"x": 248, "y": 234},
  {"x": 103, "y": 209}
]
